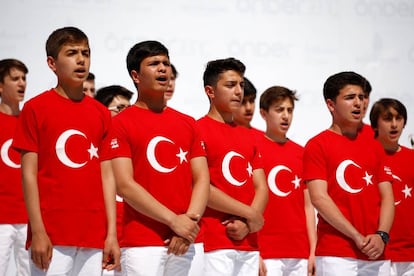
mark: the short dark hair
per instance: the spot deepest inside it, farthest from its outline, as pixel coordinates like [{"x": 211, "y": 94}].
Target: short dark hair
[
  {"x": 142, "y": 50},
  {"x": 106, "y": 94},
  {"x": 338, "y": 81},
  {"x": 216, "y": 67},
  {"x": 174, "y": 71},
  {"x": 7, "y": 64},
  {"x": 382, "y": 106},
  {"x": 62, "y": 36},
  {"x": 249, "y": 89},
  {"x": 90, "y": 76},
  {"x": 274, "y": 94}
]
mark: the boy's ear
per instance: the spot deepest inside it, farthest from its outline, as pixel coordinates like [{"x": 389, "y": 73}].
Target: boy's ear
[
  {"x": 51, "y": 63},
  {"x": 135, "y": 76},
  {"x": 330, "y": 104},
  {"x": 263, "y": 113},
  {"x": 209, "y": 91}
]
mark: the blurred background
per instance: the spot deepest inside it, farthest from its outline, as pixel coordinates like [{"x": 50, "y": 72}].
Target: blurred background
[{"x": 294, "y": 43}]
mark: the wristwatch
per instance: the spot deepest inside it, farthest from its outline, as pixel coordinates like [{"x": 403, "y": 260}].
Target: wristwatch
[{"x": 384, "y": 236}]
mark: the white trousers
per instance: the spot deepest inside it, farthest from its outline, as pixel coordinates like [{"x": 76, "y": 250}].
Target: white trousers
[
  {"x": 12, "y": 243},
  {"x": 338, "y": 266},
  {"x": 230, "y": 262},
  {"x": 286, "y": 266},
  {"x": 72, "y": 261},
  {"x": 402, "y": 268},
  {"x": 197, "y": 265},
  {"x": 154, "y": 261}
]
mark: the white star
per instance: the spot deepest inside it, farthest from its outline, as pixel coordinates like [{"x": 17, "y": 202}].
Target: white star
[
  {"x": 249, "y": 169},
  {"x": 407, "y": 191},
  {"x": 296, "y": 182},
  {"x": 367, "y": 178},
  {"x": 182, "y": 156},
  {"x": 93, "y": 152}
]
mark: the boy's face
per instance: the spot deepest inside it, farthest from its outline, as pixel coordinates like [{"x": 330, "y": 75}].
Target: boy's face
[
  {"x": 279, "y": 117},
  {"x": 89, "y": 88},
  {"x": 227, "y": 94},
  {"x": 171, "y": 87},
  {"x": 348, "y": 109},
  {"x": 244, "y": 115},
  {"x": 13, "y": 86},
  {"x": 390, "y": 126},
  {"x": 118, "y": 104},
  {"x": 154, "y": 74},
  {"x": 72, "y": 63}
]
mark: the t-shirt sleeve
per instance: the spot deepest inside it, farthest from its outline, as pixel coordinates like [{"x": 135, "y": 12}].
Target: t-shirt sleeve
[
  {"x": 115, "y": 143},
  {"x": 26, "y": 133},
  {"x": 314, "y": 163},
  {"x": 198, "y": 145}
]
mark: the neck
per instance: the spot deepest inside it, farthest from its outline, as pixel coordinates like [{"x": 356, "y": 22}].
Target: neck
[
  {"x": 390, "y": 147},
  {"x": 72, "y": 93},
  {"x": 278, "y": 138},
  {"x": 224, "y": 117},
  {"x": 10, "y": 109},
  {"x": 155, "y": 107},
  {"x": 350, "y": 132}
]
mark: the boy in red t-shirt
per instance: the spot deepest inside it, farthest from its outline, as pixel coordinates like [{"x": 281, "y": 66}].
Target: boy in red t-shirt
[
  {"x": 71, "y": 210},
  {"x": 388, "y": 118},
  {"x": 238, "y": 191},
  {"x": 288, "y": 238},
  {"x": 160, "y": 170},
  {"x": 344, "y": 172},
  {"x": 13, "y": 218}
]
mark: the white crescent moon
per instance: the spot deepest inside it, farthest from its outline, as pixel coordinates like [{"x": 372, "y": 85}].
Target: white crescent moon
[
  {"x": 340, "y": 176},
  {"x": 399, "y": 179},
  {"x": 5, "y": 155},
  {"x": 271, "y": 180},
  {"x": 151, "y": 154},
  {"x": 60, "y": 148},
  {"x": 225, "y": 168}
]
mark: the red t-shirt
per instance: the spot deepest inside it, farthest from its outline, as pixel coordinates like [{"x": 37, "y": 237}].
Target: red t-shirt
[
  {"x": 66, "y": 136},
  {"x": 160, "y": 146},
  {"x": 12, "y": 206},
  {"x": 232, "y": 155},
  {"x": 401, "y": 245},
  {"x": 352, "y": 170},
  {"x": 284, "y": 234}
]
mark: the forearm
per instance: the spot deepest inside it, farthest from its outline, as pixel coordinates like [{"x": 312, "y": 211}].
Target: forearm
[
  {"x": 201, "y": 186},
  {"x": 220, "y": 201},
  {"x": 109, "y": 193},
  {"x": 136, "y": 196},
  {"x": 329, "y": 211},
  {"x": 387, "y": 207},
  {"x": 310, "y": 222},
  {"x": 261, "y": 196},
  {"x": 31, "y": 191}
]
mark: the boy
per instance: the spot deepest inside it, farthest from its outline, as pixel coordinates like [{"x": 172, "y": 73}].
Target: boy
[
  {"x": 243, "y": 116},
  {"x": 59, "y": 133},
  {"x": 238, "y": 192},
  {"x": 288, "y": 238},
  {"x": 160, "y": 170},
  {"x": 388, "y": 119},
  {"x": 347, "y": 184},
  {"x": 13, "y": 218},
  {"x": 116, "y": 98},
  {"x": 89, "y": 85},
  {"x": 171, "y": 87}
]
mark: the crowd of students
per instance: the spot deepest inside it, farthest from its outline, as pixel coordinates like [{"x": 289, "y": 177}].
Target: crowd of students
[{"x": 106, "y": 187}]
